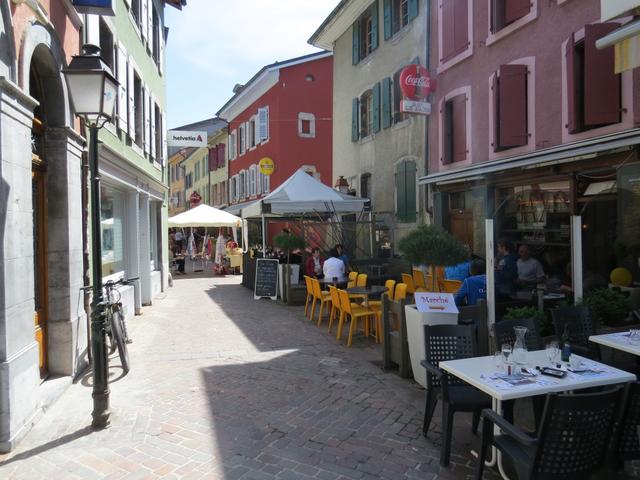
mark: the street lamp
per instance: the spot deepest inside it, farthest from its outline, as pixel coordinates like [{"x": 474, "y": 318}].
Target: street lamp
[
  {"x": 93, "y": 91},
  {"x": 342, "y": 185}
]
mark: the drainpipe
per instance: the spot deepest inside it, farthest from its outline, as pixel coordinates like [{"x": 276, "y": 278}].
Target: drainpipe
[
  {"x": 86, "y": 281},
  {"x": 427, "y": 62}
]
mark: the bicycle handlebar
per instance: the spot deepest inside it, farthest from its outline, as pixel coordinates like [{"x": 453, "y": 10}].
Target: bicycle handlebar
[{"x": 113, "y": 283}]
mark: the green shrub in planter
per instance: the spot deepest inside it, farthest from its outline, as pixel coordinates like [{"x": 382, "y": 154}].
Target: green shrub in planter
[
  {"x": 540, "y": 318},
  {"x": 608, "y": 306}
]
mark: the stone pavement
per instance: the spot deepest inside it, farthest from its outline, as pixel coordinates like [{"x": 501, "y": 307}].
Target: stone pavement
[{"x": 225, "y": 387}]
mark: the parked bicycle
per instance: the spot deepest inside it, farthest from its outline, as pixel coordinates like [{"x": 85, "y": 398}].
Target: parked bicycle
[{"x": 116, "y": 325}]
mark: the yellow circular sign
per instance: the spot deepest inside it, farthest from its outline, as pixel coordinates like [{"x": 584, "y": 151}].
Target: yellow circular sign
[{"x": 266, "y": 166}]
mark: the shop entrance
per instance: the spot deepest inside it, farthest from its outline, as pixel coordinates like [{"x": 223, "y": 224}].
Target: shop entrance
[{"x": 461, "y": 217}]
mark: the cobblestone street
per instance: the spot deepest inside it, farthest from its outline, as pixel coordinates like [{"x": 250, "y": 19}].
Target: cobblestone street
[{"x": 225, "y": 387}]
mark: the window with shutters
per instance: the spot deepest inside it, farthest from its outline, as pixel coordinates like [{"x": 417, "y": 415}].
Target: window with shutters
[
  {"x": 263, "y": 125},
  {"x": 242, "y": 184},
  {"x": 397, "y": 115},
  {"x": 306, "y": 125},
  {"x": 252, "y": 133},
  {"x": 106, "y": 45},
  {"x": 398, "y": 14},
  {"x": 454, "y": 128},
  {"x": 455, "y": 30},
  {"x": 406, "y": 187},
  {"x": 510, "y": 100},
  {"x": 365, "y": 33},
  {"x": 241, "y": 139},
  {"x": 156, "y": 36},
  {"x": 232, "y": 145},
  {"x": 266, "y": 184},
  {"x": 509, "y": 12},
  {"x": 366, "y": 114},
  {"x": 138, "y": 108},
  {"x": 135, "y": 10},
  {"x": 593, "y": 89},
  {"x": 253, "y": 169}
]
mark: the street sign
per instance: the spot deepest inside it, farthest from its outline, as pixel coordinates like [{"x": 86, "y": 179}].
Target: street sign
[
  {"x": 415, "y": 106},
  {"x": 183, "y": 138}
]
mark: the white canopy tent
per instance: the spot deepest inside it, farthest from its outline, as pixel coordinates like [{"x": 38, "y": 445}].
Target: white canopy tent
[
  {"x": 302, "y": 194},
  {"x": 205, "y": 216}
]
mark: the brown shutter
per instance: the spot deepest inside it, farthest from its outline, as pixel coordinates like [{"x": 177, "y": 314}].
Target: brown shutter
[
  {"x": 495, "y": 142},
  {"x": 447, "y": 133},
  {"x": 515, "y": 9},
  {"x": 601, "y": 84},
  {"x": 461, "y": 28},
  {"x": 512, "y": 104},
  {"x": 212, "y": 159},
  {"x": 448, "y": 29},
  {"x": 459, "y": 127},
  {"x": 220, "y": 149},
  {"x": 573, "y": 123}
]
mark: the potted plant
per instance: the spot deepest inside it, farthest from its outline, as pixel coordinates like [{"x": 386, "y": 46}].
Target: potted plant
[
  {"x": 288, "y": 242},
  {"x": 539, "y": 318},
  {"x": 428, "y": 245},
  {"x": 608, "y": 306}
]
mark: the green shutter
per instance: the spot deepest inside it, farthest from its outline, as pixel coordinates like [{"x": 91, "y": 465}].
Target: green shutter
[
  {"x": 386, "y": 102},
  {"x": 413, "y": 9},
  {"x": 356, "y": 43},
  {"x": 375, "y": 106},
  {"x": 410, "y": 189},
  {"x": 401, "y": 204},
  {"x": 355, "y": 133},
  {"x": 374, "y": 25},
  {"x": 387, "y": 20}
]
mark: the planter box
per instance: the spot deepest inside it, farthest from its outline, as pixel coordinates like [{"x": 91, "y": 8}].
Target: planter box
[
  {"x": 415, "y": 334},
  {"x": 295, "y": 275}
]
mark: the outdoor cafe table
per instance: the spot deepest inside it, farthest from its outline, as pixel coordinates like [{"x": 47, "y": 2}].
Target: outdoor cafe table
[
  {"x": 373, "y": 290},
  {"x": 481, "y": 373},
  {"x": 618, "y": 340}
]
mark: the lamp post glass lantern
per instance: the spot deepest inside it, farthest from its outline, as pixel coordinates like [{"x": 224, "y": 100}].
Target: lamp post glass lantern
[
  {"x": 93, "y": 91},
  {"x": 342, "y": 185}
]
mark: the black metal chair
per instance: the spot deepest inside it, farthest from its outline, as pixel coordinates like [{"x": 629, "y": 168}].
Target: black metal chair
[
  {"x": 571, "y": 443},
  {"x": 477, "y": 315},
  {"x": 626, "y": 439},
  {"x": 504, "y": 333},
  {"x": 580, "y": 327},
  {"x": 449, "y": 342}
]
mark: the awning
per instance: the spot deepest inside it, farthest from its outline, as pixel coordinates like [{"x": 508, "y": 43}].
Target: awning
[
  {"x": 626, "y": 42},
  {"x": 236, "y": 208},
  {"x": 550, "y": 156}
]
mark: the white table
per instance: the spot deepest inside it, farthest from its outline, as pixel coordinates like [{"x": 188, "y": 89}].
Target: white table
[
  {"x": 480, "y": 370},
  {"x": 619, "y": 341}
]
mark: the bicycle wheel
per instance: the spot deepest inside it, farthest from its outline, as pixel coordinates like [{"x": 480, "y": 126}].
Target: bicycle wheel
[{"x": 117, "y": 320}]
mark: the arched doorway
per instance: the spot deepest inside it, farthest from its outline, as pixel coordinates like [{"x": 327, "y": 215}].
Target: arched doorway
[{"x": 45, "y": 86}]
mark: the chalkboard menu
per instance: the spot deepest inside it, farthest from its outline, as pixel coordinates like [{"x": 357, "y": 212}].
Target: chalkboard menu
[{"x": 266, "y": 279}]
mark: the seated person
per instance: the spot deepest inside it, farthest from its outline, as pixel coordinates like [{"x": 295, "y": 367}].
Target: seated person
[
  {"x": 461, "y": 270},
  {"x": 530, "y": 271},
  {"x": 178, "y": 260},
  {"x": 334, "y": 267},
  {"x": 339, "y": 250},
  {"x": 506, "y": 268},
  {"x": 313, "y": 267},
  {"x": 473, "y": 288}
]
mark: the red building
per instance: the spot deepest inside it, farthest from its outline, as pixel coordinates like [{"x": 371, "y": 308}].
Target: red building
[{"x": 283, "y": 114}]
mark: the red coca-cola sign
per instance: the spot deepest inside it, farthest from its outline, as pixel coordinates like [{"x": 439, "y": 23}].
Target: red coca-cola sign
[{"x": 415, "y": 82}]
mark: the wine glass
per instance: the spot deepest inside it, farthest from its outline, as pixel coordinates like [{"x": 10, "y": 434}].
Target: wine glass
[
  {"x": 506, "y": 352},
  {"x": 552, "y": 351},
  {"x": 497, "y": 360}
]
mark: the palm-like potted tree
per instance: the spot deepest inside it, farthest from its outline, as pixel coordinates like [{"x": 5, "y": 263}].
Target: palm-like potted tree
[
  {"x": 288, "y": 242},
  {"x": 428, "y": 245}
]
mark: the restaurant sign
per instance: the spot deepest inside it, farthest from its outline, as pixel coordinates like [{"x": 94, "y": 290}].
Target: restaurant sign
[
  {"x": 435, "y": 302},
  {"x": 416, "y": 84},
  {"x": 182, "y": 138},
  {"x": 267, "y": 166},
  {"x": 97, "y": 7}
]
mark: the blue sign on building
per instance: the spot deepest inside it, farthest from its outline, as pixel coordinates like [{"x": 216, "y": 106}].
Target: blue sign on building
[{"x": 98, "y": 7}]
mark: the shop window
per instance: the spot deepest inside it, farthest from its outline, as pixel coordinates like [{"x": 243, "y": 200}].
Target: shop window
[
  {"x": 406, "y": 191},
  {"x": 593, "y": 89},
  {"x": 505, "y": 12},
  {"x": 509, "y": 87},
  {"x": 454, "y": 129},
  {"x": 112, "y": 223},
  {"x": 306, "y": 125},
  {"x": 365, "y": 33},
  {"x": 453, "y": 29},
  {"x": 397, "y": 14},
  {"x": 460, "y": 200}
]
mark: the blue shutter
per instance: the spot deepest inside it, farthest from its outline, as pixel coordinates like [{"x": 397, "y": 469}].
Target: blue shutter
[
  {"x": 374, "y": 25},
  {"x": 413, "y": 9},
  {"x": 410, "y": 191},
  {"x": 376, "y": 107},
  {"x": 401, "y": 204},
  {"x": 388, "y": 28},
  {"x": 356, "y": 43},
  {"x": 355, "y": 132},
  {"x": 386, "y": 102}
]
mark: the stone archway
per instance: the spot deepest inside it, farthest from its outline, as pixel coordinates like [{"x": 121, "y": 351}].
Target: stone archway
[{"x": 7, "y": 45}]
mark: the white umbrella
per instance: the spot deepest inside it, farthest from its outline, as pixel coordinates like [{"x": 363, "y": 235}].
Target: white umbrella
[{"x": 205, "y": 216}]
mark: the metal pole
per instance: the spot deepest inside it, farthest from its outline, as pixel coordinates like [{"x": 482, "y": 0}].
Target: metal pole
[
  {"x": 264, "y": 237},
  {"x": 101, "y": 412},
  {"x": 491, "y": 286}
]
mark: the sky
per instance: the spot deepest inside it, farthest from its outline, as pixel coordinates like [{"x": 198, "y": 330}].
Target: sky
[{"x": 215, "y": 44}]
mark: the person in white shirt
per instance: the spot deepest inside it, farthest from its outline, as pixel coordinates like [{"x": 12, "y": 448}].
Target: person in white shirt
[
  {"x": 333, "y": 267},
  {"x": 530, "y": 270}
]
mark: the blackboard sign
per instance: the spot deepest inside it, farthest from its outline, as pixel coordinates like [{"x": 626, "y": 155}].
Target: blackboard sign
[{"x": 266, "y": 279}]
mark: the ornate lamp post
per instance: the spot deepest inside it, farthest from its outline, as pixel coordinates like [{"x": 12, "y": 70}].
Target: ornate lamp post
[{"x": 93, "y": 90}]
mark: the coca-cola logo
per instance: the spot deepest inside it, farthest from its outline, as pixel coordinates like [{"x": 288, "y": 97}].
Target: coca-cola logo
[{"x": 415, "y": 82}]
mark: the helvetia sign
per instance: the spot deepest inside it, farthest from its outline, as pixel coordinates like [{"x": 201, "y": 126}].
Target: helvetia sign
[{"x": 181, "y": 138}]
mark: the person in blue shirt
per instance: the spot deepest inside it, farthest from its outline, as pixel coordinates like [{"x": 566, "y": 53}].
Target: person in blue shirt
[
  {"x": 342, "y": 256},
  {"x": 473, "y": 288},
  {"x": 461, "y": 270},
  {"x": 506, "y": 268}
]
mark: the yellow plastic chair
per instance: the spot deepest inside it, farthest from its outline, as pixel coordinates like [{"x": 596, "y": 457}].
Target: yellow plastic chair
[
  {"x": 352, "y": 279},
  {"x": 307, "y": 281},
  {"x": 361, "y": 281},
  {"x": 355, "y": 312},
  {"x": 400, "y": 292},
  {"x": 418, "y": 279},
  {"x": 319, "y": 295},
  {"x": 336, "y": 308},
  {"x": 450, "y": 286},
  {"x": 377, "y": 304},
  {"x": 408, "y": 281}
]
